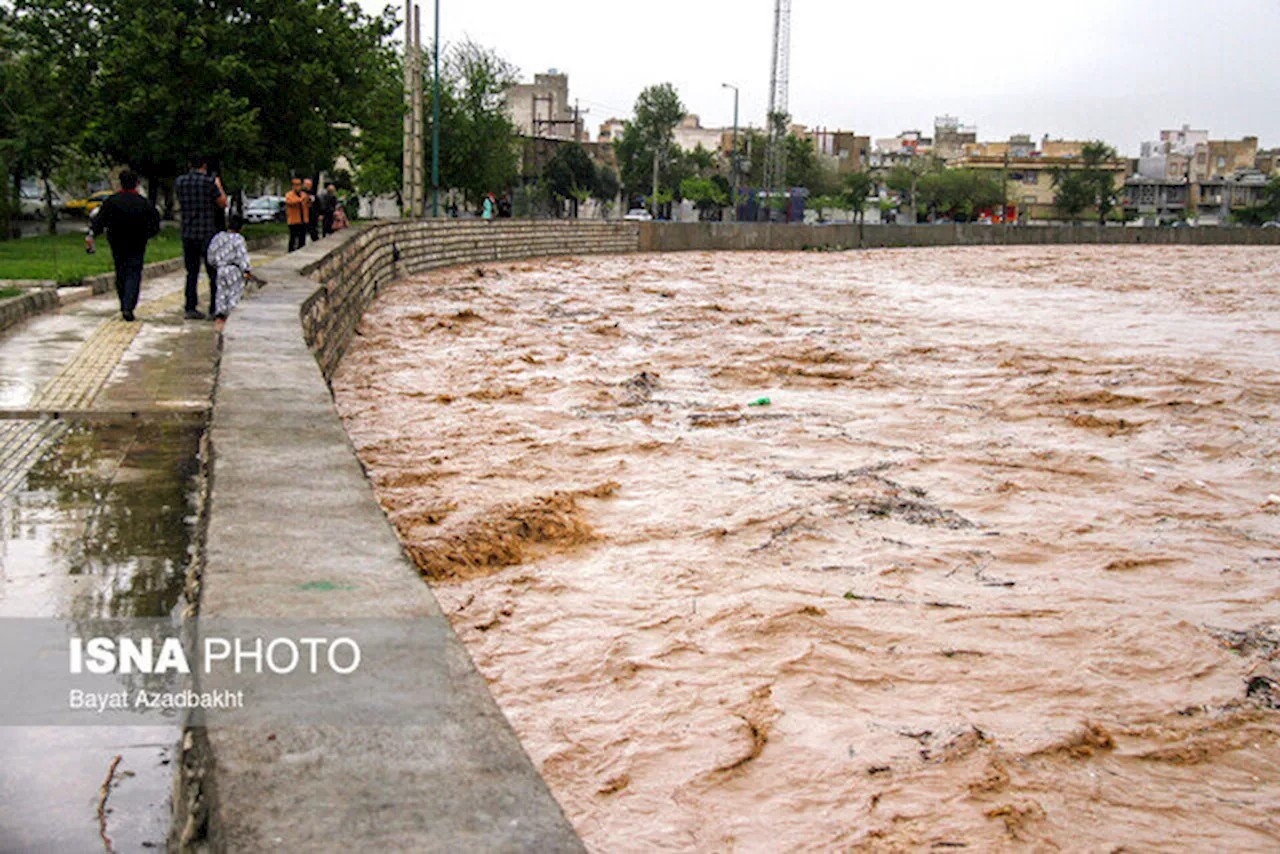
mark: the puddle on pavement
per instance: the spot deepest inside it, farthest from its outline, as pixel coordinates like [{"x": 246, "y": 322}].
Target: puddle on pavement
[{"x": 102, "y": 526}]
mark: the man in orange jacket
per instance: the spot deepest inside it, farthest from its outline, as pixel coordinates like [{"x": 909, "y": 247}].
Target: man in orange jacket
[{"x": 297, "y": 209}]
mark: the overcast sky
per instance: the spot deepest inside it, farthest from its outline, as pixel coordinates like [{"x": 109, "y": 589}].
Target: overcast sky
[{"x": 1117, "y": 69}]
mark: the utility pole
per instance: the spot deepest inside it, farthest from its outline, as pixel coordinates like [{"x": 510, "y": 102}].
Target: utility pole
[
  {"x": 419, "y": 185},
  {"x": 734, "y": 162},
  {"x": 406, "y": 178},
  {"x": 435, "y": 121}
]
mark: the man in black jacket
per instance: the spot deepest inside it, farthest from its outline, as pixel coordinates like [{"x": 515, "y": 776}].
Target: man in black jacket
[{"x": 130, "y": 220}]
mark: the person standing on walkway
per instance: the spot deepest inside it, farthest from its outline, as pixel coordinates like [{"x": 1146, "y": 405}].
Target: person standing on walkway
[
  {"x": 229, "y": 253},
  {"x": 296, "y": 207},
  {"x": 313, "y": 210},
  {"x": 488, "y": 210},
  {"x": 328, "y": 207},
  {"x": 130, "y": 220},
  {"x": 200, "y": 196}
]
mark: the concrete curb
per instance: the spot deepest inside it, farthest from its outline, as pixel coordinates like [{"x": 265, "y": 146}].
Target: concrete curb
[
  {"x": 14, "y": 310},
  {"x": 56, "y": 296}
]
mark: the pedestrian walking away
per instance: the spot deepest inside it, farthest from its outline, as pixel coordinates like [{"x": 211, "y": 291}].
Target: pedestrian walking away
[
  {"x": 296, "y": 208},
  {"x": 130, "y": 220},
  {"x": 313, "y": 210},
  {"x": 229, "y": 253},
  {"x": 200, "y": 195}
]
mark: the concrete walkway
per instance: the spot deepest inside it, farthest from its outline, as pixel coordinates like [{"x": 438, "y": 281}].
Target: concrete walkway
[{"x": 99, "y": 435}]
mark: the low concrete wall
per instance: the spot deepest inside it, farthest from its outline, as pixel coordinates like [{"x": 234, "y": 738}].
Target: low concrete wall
[
  {"x": 14, "y": 310},
  {"x": 683, "y": 237},
  {"x": 351, "y": 276}
]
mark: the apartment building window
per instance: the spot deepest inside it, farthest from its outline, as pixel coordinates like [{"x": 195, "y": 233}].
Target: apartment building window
[{"x": 1031, "y": 178}]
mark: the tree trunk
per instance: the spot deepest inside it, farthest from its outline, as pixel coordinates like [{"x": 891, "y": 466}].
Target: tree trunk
[
  {"x": 51, "y": 217},
  {"x": 653, "y": 204}
]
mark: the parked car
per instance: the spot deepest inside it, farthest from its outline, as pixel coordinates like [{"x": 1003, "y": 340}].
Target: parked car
[
  {"x": 638, "y": 215},
  {"x": 1272, "y": 224},
  {"x": 265, "y": 209},
  {"x": 31, "y": 202},
  {"x": 85, "y": 207}
]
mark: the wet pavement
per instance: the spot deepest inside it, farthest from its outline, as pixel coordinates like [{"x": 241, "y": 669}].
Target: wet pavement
[{"x": 100, "y": 431}]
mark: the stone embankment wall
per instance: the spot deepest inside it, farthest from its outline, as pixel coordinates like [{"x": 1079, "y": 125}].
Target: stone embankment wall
[{"x": 351, "y": 275}]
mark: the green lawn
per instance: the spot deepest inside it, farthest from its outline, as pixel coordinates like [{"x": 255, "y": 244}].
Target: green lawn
[
  {"x": 5, "y": 293},
  {"x": 62, "y": 258}
]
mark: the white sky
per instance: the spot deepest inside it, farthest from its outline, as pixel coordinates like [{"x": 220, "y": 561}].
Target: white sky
[{"x": 1117, "y": 69}]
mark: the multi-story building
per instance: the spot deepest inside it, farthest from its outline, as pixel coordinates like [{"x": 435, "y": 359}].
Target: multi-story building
[
  {"x": 843, "y": 149},
  {"x": 1229, "y": 156},
  {"x": 690, "y": 133},
  {"x": 950, "y": 137},
  {"x": 611, "y": 130},
  {"x": 1029, "y": 180},
  {"x": 1185, "y": 174},
  {"x": 1268, "y": 162},
  {"x": 542, "y": 109}
]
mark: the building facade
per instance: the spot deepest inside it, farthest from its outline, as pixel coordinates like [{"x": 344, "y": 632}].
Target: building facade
[{"x": 542, "y": 108}]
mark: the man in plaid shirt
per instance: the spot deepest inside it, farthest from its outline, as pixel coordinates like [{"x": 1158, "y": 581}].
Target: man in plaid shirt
[{"x": 199, "y": 197}]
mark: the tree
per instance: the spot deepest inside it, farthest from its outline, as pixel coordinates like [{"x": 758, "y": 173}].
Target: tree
[
  {"x": 477, "y": 155},
  {"x": 657, "y": 112},
  {"x": 959, "y": 194},
  {"x": 264, "y": 87},
  {"x": 709, "y": 195},
  {"x": 858, "y": 187},
  {"x": 1073, "y": 192},
  {"x": 607, "y": 187},
  {"x": 1091, "y": 185},
  {"x": 905, "y": 179},
  {"x": 571, "y": 176}
]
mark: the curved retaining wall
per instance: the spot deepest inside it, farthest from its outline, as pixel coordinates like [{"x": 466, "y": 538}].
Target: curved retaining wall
[{"x": 290, "y": 512}]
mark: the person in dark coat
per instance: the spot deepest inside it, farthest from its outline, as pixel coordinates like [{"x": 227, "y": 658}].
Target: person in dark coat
[{"x": 130, "y": 220}]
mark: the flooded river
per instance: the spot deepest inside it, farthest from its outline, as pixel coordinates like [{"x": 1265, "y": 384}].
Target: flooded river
[{"x": 893, "y": 549}]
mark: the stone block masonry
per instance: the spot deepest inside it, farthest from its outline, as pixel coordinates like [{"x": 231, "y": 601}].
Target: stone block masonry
[{"x": 351, "y": 276}]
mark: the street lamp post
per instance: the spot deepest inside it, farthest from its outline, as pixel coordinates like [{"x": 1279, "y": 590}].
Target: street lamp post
[
  {"x": 435, "y": 122},
  {"x": 735, "y": 147}
]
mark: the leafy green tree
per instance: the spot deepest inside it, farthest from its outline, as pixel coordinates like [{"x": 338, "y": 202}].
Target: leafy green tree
[
  {"x": 571, "y": 176},
  {"x": 649, "y": 138},
  {"x": 959, "y": 194},
  {"x": 39, "y": 98},
  {"x": 709, "y": 195},
  {"x": 905, "y": 178},
  {"x": 262, "y": 86},
  {"x": 1096, "y": 155},
  {"x": 1073, "y": 192},
  {"x": 477, "y": 154},
  {"x": 858, "y": 187}
]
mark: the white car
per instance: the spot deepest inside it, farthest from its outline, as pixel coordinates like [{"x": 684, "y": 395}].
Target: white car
[
  {"x": 265, "y": 209},
  {"x": 638, "y": 215}
]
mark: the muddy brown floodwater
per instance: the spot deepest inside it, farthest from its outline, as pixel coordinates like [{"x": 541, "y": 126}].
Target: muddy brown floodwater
[{"x": 997, "y": 566}]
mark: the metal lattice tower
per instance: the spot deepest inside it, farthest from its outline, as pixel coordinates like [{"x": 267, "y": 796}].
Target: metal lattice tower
[{"x": 779, "y": 88}]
